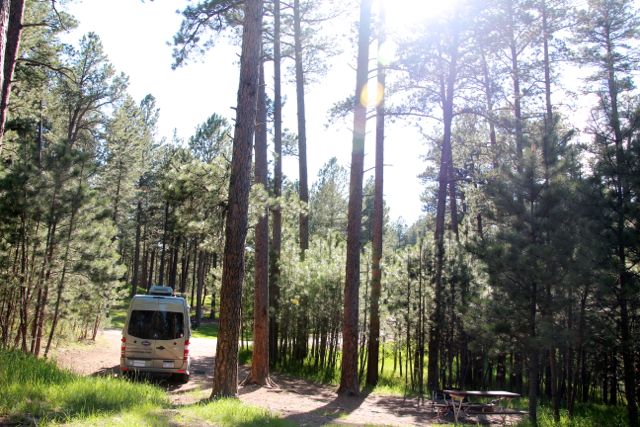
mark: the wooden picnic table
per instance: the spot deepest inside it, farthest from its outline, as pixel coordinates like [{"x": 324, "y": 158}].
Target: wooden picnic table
[{"x": 460, "y": 395}]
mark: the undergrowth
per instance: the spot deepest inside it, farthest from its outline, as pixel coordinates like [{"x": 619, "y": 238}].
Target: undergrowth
[{"x": 585, "y": 415}]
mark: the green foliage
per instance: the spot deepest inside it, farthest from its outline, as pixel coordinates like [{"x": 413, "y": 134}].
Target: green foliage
[
  {"x": 64, "y": 229},
  {"x": 328, "y": 200},
  {"x": 128, "y": 139},
  {"x": 117, "y": 315},
  {"x": 201, "y": 23},
  {"x": 212, "y": 139},
  {"x": 244, "y": 356}
]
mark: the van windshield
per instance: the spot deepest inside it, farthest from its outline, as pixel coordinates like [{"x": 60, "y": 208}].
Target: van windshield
[{"x": 156, "y": 325}]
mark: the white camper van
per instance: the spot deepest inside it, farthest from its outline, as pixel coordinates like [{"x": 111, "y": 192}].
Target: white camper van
[{"x": 156, "y": 334}]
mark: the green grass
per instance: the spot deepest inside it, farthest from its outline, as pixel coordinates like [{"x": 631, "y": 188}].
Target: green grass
[
  {"x": 389, "y": 383},
  {"x": 585, "y": 415},
  {"x": 117, "y": 315},
  {"x": 206, "y": 330},
  {"x": 37, "y": 389},
  {"x": 230, "y": 413},
  {"x": 34, "y": 391},
  {"x": 308, "y": 372}
]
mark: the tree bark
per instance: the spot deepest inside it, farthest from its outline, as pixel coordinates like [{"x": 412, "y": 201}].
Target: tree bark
[
  {"x": 446, "y": 95},
  {"x": 5, "y": 6},
  {"x": 225, "y": 380},
  {"x": 174, "y": 262},
  {"x": 199, "y": 288},
  {"x": 349, "y": 369},
  {"x": 10, "y": 56},
  {"x": 302, "y": 129},
  {"x": 274, "y": 259},
  {"x": 136, "y": 252},
  {"x": 378, "y": 218},
  {"x": 184, "y": 269},
  {"x": 533, "y": 360},
  {"x": 260, "y": 359},
  {"x": 515, "y": 77},
  {"x": 164, "y": 243}
]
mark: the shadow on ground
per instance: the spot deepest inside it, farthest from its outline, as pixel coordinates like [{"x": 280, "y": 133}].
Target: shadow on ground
[{"x": 338, "y": 408}]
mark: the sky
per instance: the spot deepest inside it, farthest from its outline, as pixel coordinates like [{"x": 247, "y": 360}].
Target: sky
[{"x": 135, "y": 36}]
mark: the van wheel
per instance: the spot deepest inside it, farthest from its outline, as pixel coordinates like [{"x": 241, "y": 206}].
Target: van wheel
[
  {"x": 182, "y": 378},
  {"x": 131, "y": 375}
]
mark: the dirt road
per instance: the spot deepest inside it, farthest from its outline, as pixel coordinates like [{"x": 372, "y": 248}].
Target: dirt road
[{"x": 304, "y": 403}]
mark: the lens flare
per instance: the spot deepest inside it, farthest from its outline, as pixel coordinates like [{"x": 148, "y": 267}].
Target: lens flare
[
  {"x": 387, "y": 53},
  {"x": 372, "y": 94},
  {"x": 403, "y": 15}
]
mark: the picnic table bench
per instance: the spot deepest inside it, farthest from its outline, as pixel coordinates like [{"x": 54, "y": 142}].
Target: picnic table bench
[{"x": 459, "y": 405}]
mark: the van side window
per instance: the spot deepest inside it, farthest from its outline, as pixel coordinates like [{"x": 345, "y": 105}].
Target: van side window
[{"x": 156, "y": 325}]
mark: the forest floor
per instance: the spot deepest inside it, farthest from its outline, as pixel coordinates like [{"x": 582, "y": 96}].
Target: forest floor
[{"x": 300, "y": 401}]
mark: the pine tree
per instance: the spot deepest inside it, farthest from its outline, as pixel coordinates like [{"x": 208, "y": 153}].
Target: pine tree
[
  {"x": 226, "y": 365},
  {"x": 349, "y": 368},
  {"x": 607, "y": 29}
]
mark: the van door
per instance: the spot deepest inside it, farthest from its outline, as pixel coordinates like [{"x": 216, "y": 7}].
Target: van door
[
  {"x": 140, "y": 342},
  {"x": 169, "y": 333}
]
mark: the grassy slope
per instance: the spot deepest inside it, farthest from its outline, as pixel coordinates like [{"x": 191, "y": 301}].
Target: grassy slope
[{"x": 37, "y": 392}]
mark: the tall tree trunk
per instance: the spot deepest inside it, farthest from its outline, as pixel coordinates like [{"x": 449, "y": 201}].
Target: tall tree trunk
[
  {"x": 515, "y": 77},
  {"x": 533, "y": 360},
  {"x": 225, "y": 380},
  {"x": 152, "y": 267},
  {"x": 164, "y": 243},
  {"x": 174, "y": 262},
  {"x": 489, "y": 94},
  {"x": 5, "y": 6},
  {"x": 274, "y": 259},
  {"x": 302, "y": 129},
  {"x": 301, "y": 338},
  {"x": 10, "y": 56},
  {"x": 116, "y": 197},
  {"x": 378, "y": 218},
  {"x": 260, "y": 359},
  {"x": 421, "y": 325},
  {"x": 436, "y": 327},
  {"x": 145, "y": 260},
  {"x": 547, "y": 139},
  {"x": 200, "y": 288},
  {"x": 136, "y": 252},
  {"x": 349, "y": 368},
  {"x": 43, "y": 293},
  {"x": 194, "y": 275},
  {"x": 184, "y": 269},
  {"x": 546, "y": 36}
]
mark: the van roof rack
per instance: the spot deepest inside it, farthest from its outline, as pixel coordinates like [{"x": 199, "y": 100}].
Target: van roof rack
[{"x": 161, "y": 290}]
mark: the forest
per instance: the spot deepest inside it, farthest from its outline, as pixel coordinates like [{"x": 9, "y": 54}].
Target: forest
[{"x": 522, "y": 272}]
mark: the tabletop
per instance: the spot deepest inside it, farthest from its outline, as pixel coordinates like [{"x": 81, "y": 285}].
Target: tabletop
[{"x": 481, "y": 393}]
